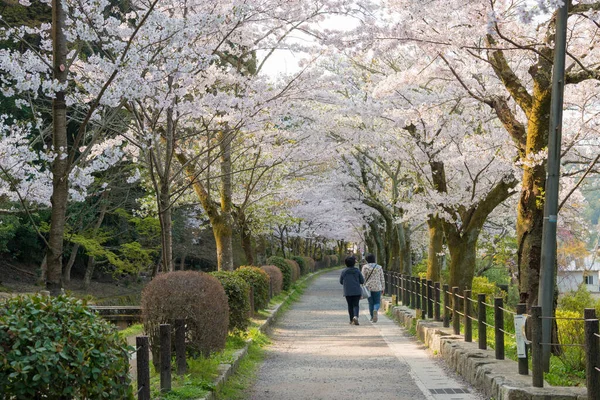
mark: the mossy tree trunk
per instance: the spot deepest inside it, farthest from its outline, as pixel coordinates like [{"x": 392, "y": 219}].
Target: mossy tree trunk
[{"x": 435, "y": 248}]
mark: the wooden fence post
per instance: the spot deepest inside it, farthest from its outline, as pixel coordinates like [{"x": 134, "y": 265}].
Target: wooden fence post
[
  {"x": 143, "y": 367},
  {"x": 165, "y": 358},
  {"x": 398, "y": 288},
  {"x": 499, "y": 327},
  {"x": 180, "y": 346},
  {"x": 591, "y": 350},
  {"x": 523, "y": 362},
  {"x": 482, "y": 321},
  {"x": 429, "y": 299},
  {"x": 537, "y": 365},
  {"x": 455, "y": 317},
  {"x": 424, "y": 300},
  {"x": 467, "y": 308},
  {"x": 436, "y": 302},
  {"x": 446, "y": 303},
  {"x": 418, "y": 293}
]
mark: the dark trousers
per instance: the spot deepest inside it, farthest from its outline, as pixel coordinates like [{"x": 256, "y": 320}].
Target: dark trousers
[{"x": 353, "y": 305}]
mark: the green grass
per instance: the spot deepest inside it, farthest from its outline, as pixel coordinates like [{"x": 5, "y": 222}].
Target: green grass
[{"x": 132, "y": 330}]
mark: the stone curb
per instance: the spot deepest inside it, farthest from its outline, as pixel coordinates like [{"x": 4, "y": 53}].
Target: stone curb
[
  {"x": 226, "y": 370},
  {"x": 497, "y": 379}
]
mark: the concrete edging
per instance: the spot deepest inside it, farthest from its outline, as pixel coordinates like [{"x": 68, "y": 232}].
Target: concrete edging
[{"x": 497, "y": 379}]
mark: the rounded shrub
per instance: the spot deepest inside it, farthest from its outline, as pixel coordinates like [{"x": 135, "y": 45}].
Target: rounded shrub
[
  {"x": 310, "y": 264},
  {"x": 196, "y": 297},
  {"x": 259, "y": 280},
  {"x": 285, "y": 268},
  {"x": 302, "y": 264},
  {"x": 326, "y": 262},
  {"x": 333, "y": 260},
  {"x": 276, "y": 277},
  {"x": 238, "y": 292},
  {"x": 57, "y": 348},
  {"x": 295, "y": 269}
]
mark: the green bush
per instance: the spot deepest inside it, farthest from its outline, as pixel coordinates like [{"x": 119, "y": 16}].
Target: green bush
[
  {"x": 56, "y": 348},
  {"x": 238, "y": 292},
  {"x": 310, "y": 264},
  {"x": 196, "y": 297},
  {"x": 259, "y": 280},
  {"x": 482, "y": 285},
  {"x": 285, "y": 268},
  {"x": 302, "y": 264},
  {"x": 276, "y": 277},
  {"x": 333, "y": 260},
  {"x": 326, "y": 262},
  {"x": 571, "y": 331},
  {"x": 295, "y": 269},
  {"x": 577, "y": 300}
]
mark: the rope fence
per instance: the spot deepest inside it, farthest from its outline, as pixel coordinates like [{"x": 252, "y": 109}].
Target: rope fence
[{"x": 450, "y": 305}]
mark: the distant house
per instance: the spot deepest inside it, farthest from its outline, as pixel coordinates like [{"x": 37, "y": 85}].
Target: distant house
[{"x": 570, "y": 278}]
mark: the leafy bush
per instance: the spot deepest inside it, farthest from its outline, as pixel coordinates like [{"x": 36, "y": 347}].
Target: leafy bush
[
  {"x": 295, "y": 269},
  {"x": 259, "y": 280},
  {"x": 310, "y": 264},
  {"x": 571, "y": 331},
  {"x": 333, "y": 260},
  {"x": 577, "y": 300},
  {"x": 482, "y": 285},
  {"x": 276, "y": 277},
  {"x": 56, "y": 348},
  {"x": 285, "y": 268},
  {"x": 326, "y": 262},
  {"x": 302, "y": 264},
  {"x": 194, "y": 296},
  {"x": 238, "y": 292}
]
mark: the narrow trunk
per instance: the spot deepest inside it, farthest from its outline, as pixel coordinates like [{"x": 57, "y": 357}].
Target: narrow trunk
[
  {"x": 89, "y": 272},
  {"x": 404, "y": 234},
  {"x": 60, "y": 165},
  {"x": 225, "y": 230},
  {"x": 435, "y": 248},
  {"x": 66, "y": 274},
  {"x": 166, "y": 229},
  {"x": 182, "y": 263},
  {"x": 247, "y": 244}
]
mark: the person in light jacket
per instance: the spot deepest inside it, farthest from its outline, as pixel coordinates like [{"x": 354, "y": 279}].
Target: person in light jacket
[
  {"x": 375, "y": 282},
  {"x": 352, "y": 278}
]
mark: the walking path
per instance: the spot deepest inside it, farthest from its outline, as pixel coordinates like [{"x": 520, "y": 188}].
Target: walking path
[{"x": 317, "y": 355}]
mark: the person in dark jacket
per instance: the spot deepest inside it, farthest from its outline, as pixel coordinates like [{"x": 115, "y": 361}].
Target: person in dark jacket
[{"x": 352, "y": 278}]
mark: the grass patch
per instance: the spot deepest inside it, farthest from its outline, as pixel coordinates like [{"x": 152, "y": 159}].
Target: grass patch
[{"x": 132, "y": 330}]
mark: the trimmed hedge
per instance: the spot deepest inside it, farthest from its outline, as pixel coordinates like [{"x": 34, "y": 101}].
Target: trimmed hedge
[
  {"x": 285, "y": 268},
  {"x": 276, "y": 277},
  {"x": 259, "y": 280},
  {"x": 238, "y": 291},
  {"x": 57, "y": 348},
  {"x": 310, "y": 264},
  {"x": 196, "y": 297},
  {"x": 302, "y": 264},
  {"x": 295, "y": 269},
  {"x": 333, "y": 261}
]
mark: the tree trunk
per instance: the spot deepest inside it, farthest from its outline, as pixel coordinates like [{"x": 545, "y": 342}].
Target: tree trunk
[
  {"x": 247, "y": 244},
  {"x": 66, "y": 274},
  {"x": 89, "y": 272},
  {"x": 463, "y": 250},
  {"x": 166, "y": 228},
  {"x": 60, "y": 165},
  {"x": 182, "y": 263},
  {"x": 435, "y": 248},
  {"x": 405, "y": 252},
  {"x": 225, "y": 230}
]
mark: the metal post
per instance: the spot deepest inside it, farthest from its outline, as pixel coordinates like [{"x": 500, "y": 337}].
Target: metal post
[
  {"x": 481, "y": 321},
  {"x": 455, "y": 317},
  {"x": 523, "y": 362},
  {"x": 446, "y": 305},
  {"x": 499, "y": 327},
  {"x": 165, "y": 357},
  {"x": 417, "y": 293},
  {"x": 436, "y": 307},
  {"x": 467, "y": 308},
  {"x": 398, "y": 288},
  {"x": 547, "y": 273},
  {"x": 143, "y": 367},
  {"x": 537, "y": 366}
]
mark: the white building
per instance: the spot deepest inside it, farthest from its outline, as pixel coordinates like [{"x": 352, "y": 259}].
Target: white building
[{"x": 570, "y": 278}]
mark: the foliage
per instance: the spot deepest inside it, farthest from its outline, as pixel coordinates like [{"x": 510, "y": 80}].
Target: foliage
[
  {"x": 259, "y": 280},
  {"x": 276, "y": 277},
  {"x": 302, "y": 264},
  {"x": 482, "y": 285},
  {"x": 285, "y": 268},
  {"x": 237, "y": 291},
  {"x": 326, "y": 261},
  {"x": 56, "y": 348},
  {"x": 310, "y": 264},
  {"x": 571, "y": 331},
  {"x": 200, "y": 300},
  {"x": 577, "y": 300},
  {"x": 295, "y": 269}
]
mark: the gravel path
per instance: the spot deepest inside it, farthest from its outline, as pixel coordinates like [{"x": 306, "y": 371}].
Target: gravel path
[{"x": 316, "y": 355}]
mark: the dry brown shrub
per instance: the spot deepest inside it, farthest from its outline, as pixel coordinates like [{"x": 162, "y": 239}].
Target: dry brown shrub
[
  {"x": 295, "y": 269},
  {"x": 196, "y": 297},
  {"x": 310, "y": 264},
  {"x": 276, "y": 278}
]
